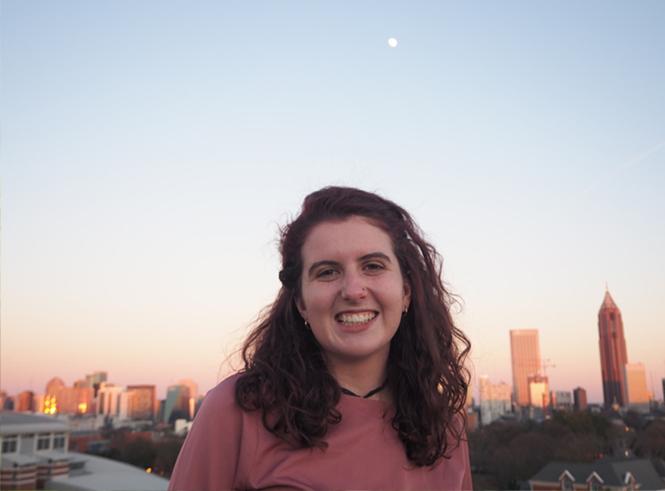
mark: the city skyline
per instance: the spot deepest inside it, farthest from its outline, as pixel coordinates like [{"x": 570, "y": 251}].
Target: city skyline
[
  {"x": 526, "y": 364},
  {"x": 151, "y": 151}
]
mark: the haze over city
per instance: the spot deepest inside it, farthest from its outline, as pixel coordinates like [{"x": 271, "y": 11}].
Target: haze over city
[{"x": 150, "y": 152}]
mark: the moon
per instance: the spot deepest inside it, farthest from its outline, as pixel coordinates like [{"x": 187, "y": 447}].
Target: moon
[{"x": 392, "y": 42}]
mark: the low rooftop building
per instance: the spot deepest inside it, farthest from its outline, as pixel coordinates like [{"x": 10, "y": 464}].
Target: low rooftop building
[
  {"x": 35, "y": 455},
  {"x": 605, "y": 475}
]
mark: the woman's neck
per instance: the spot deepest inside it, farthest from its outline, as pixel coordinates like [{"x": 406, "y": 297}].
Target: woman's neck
[{"x": 360, "y": 376}]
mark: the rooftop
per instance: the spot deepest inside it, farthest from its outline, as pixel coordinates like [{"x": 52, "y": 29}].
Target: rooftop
[
  {"x": 608, "y": 302},
  {"x": 12, "y": 423},
  {"x": 100, "y": 474},
  {"x": 612, "y": 472}
]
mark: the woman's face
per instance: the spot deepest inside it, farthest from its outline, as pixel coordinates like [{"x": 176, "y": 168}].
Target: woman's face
[{"x": 352, "y": 290}]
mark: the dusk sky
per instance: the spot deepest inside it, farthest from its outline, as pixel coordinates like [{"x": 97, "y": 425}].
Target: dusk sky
[{"x": 151, "y": 150}]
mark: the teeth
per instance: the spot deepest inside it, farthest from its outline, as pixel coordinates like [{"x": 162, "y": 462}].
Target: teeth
[{"x": 358, "y": 318}]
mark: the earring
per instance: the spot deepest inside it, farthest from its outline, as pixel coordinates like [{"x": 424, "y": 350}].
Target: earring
[
  {"x": 306, "y": 323},
  {"x": 406, "y": 309}
]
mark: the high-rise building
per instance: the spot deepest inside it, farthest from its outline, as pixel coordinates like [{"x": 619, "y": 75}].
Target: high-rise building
[
  {"x": 177, "y": 404},
  {"x": 494, "y": 400},
  {"x": 637, "y": 394},
  {"x": 95, "y": 380},
  {"x": 663, "y": 381},
  {"x": 579, "y": 396},
  {"x": 561, "y": 400},
  {"x": 193, "y": 390},
  {"x": 143, "y": 402},
  {"x": 538, "y": 391},
  {"x": 54, "y": 385},
  {"x": 110, "y": 401},
  {"x": 525, "y": 357},
  {"x": 67, "y": 400},
  {"x": 613, "y": 355},
  {"x": 25, "y": 401}
]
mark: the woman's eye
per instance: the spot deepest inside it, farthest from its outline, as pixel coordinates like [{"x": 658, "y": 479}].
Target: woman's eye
[
  {"x": 374, "y": 266},
  {"x": 325, "y": 273}
]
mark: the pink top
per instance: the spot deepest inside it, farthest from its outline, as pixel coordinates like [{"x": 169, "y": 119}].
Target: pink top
[{"x": 228, "y": 448}]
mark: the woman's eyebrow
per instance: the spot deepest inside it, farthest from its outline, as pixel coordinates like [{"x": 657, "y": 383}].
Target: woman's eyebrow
[{"x": 375, "y": 255}]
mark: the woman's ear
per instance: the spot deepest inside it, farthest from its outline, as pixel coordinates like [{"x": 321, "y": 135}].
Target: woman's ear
[
  {"x": 301, "y": 308},
  {"x": 406, "y": 298}
]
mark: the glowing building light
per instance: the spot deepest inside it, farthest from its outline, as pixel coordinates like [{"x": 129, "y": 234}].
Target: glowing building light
[{"x": 50, "y": 405}]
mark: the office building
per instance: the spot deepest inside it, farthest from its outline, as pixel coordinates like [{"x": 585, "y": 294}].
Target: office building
[
  {"x": 95, "y": 380},
  {"x": 60, "y": 399},
  {"x": 142, "y": 401},
  {"x": 561, "y": 400},
  {"x": 613, "y": 355},
  {"x": 113, "y": 401},
  {"x": 579, "y": 399},
  {"x": 25, "y": 402},
  {"x": 193, "y": 391},
  {"x": 538, "y": 391},
  {"x": 525, "y": 358},
  {"x": 177, "y": 404},
  {"x": 637, "y": 394},
  {"x": 494, "y": 400}
]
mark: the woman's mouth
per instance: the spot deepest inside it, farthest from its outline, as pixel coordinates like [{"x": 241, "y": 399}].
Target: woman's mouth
[{"x": 356, "y": 319}]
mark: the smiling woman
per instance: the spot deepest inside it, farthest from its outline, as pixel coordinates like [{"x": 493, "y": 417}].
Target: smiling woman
[
  {"x": 354, "y": 376},
  {"x": 353, "y": 297}
]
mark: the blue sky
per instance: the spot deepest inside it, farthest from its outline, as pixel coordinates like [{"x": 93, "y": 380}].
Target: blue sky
[{"x": 150, "y": 150}]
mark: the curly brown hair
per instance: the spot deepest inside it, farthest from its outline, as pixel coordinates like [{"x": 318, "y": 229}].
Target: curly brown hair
[{"x": 285, "y": 373}]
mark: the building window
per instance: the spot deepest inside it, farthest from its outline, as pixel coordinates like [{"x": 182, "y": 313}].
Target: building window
[
  {"x": 43, "y": 442},
  {"x": 9, "y": 444},
  {"x": 594, "y": 485},
  {"x": 566, "y": 484},
  {"x": 59, "y": 442}
]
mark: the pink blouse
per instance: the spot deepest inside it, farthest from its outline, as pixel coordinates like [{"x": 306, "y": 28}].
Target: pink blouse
[{"x": 228, "y": 448}]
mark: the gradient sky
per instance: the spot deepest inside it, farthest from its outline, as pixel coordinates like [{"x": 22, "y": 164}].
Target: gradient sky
[{"x": 150, "y": 150}]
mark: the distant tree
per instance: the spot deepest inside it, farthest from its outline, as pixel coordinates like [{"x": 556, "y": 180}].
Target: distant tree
[
  {"x": 584, "y": 423},
  {"x": 167, "y": 453},
  {"x": 504, "y": 454},
  {"x": 140, "y": 452},
  {"x": 634, "y": 420},
  {"x": 525, "y": 455},
  {"x": 650, "y": 441}
]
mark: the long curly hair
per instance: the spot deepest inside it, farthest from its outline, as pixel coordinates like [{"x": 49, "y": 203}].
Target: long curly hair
[{"x": 285, "y": 374}]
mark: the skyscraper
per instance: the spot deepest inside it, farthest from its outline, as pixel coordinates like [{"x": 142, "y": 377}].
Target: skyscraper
[
  {"x": 177, "y": 404},
  {"x": 538, "y": 390},
  {"x": 613, "y": 355},
  {"x": 143, "y": 401},
  {"x": 525, "y": 356},
  {"x": 494, "y": 400},
  {"x": 637, "y": 394},
  {"x": 579, "y": 394}
]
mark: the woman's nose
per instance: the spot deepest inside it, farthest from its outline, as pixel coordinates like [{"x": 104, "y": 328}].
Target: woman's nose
[{"x": 353, "y": 287}]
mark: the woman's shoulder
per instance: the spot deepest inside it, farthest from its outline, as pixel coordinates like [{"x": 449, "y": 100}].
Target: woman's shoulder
[{"x": 222, "y": 396}]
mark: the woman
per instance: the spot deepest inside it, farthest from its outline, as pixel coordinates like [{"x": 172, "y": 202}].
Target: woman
[{"x": 354, "y": 376}]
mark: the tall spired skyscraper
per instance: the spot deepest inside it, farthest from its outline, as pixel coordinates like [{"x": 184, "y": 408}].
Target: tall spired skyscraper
[{"x": 613, "y": 356}]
